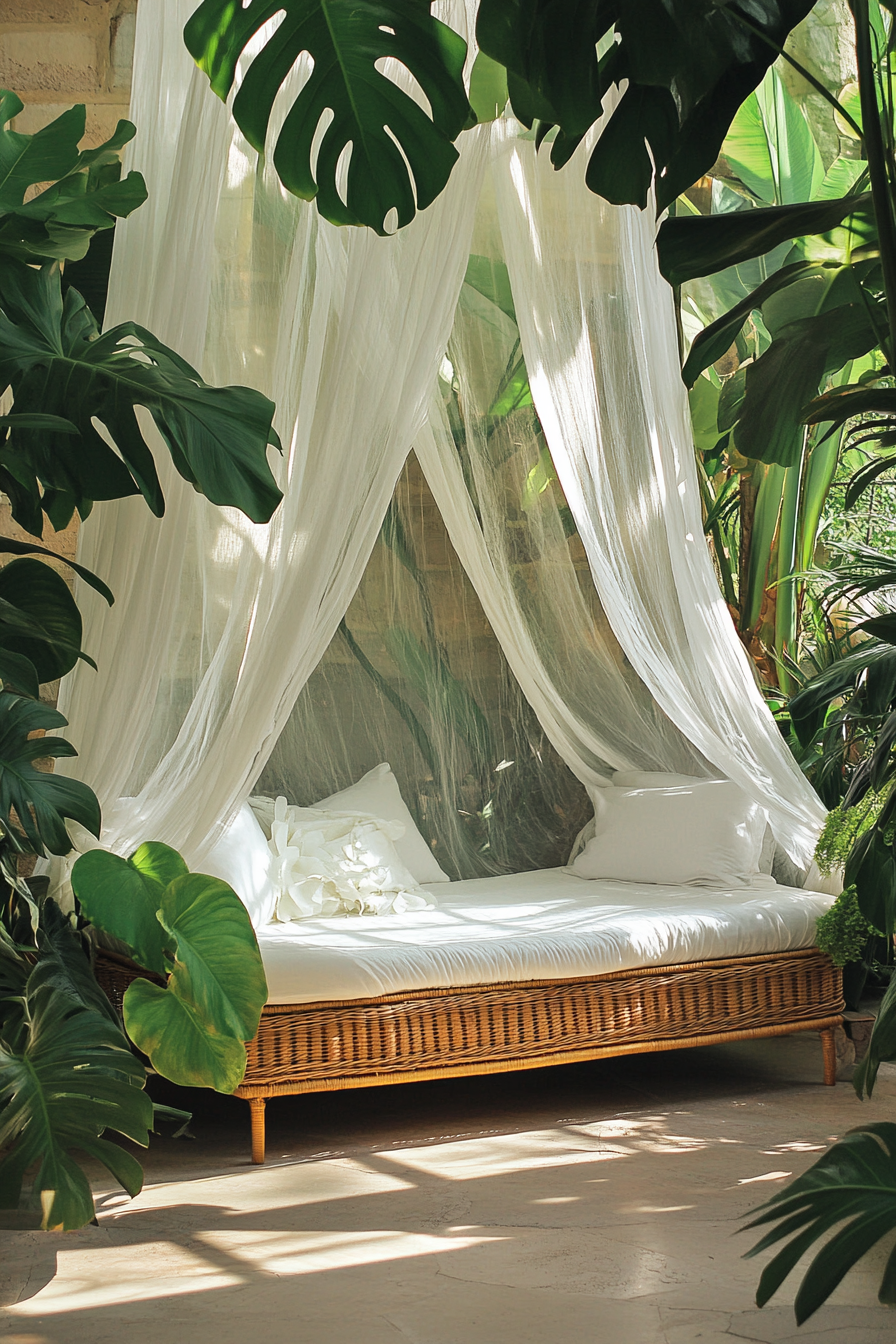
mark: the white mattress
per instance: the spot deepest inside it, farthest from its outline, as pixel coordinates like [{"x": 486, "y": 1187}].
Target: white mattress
[{"x": 546, "y": 925}]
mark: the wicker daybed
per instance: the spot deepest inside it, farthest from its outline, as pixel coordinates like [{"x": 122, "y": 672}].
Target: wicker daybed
[{"x": 451, "y": 1031}]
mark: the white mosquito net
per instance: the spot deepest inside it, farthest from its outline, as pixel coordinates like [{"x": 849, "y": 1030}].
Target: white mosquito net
[{"x": 520, "y": 607}]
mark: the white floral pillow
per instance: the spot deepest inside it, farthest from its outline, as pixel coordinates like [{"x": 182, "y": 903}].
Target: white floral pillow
[{"x": 336, "y": 863}]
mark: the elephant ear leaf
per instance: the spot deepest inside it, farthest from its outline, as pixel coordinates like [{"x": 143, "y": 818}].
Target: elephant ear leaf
[
  {"x": 120, "y": 898},
  {"x": 194, "y": 1029},
  {"x": 75, "y": 1077},
  {"x": 401, "y": 158},
  {"x": 31, "y": 800}
]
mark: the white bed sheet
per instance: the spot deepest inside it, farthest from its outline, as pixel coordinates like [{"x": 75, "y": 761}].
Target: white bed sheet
[{"x": 546, "y": 925}]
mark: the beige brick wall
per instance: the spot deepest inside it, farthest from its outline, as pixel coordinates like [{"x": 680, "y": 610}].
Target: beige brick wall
[{"x": 54, "y": 53}]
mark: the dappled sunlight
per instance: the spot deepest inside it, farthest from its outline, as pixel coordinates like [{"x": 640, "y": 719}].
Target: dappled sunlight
[
  {"x": 453, "y": 1212},
  {"x": 503, "y": 1155},
  {"x": 311, "y": 1252},
  {"x": 90, "y": 1278}
]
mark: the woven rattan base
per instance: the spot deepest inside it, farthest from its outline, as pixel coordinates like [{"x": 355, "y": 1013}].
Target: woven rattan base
[{"x": 449, "y": 1033}]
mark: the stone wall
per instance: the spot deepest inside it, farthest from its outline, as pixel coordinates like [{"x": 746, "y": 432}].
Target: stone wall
[{"x": 54, "y": 53}]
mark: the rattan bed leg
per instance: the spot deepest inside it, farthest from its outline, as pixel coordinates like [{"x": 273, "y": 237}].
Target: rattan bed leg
[
  {"x": 256, "y": 1107},
  {"x": 829, "y": 1053}
]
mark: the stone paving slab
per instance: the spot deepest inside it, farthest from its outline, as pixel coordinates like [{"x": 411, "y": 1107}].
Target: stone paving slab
[{"x": 596, "y": 1204}]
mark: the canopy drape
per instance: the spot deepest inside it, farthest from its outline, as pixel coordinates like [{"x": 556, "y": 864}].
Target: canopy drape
[
  {"x": 218, "y": 623},
  {"x": 598, "y": 328}
]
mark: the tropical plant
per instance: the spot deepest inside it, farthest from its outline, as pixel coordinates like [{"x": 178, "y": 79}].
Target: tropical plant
[
  {"x": 850, "y": 709},
  {"x": 762, "y": 517},
  {"x": 851, "y": 942},
  {"x": 686, "y": 67},
  {"x": 67, "y": 1074},
  {"x": 855, "y": 1180},
  {"x": 195, "y": 933},
  {"x": 68, "y": 1071},
  {"x": 64, "y": 379}
]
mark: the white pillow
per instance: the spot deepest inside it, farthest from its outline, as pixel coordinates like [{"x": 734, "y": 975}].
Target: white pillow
[
  {"x": 330, "y": 863},
  {"x": 624, "y": 779},
  {"x": 377, "y": 795},
  {"x": 706, "y": 834},
  {"x": 243, "y": 858}
]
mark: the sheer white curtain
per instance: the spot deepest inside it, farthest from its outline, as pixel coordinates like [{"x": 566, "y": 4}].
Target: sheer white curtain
[
  {"x": 598, "y": 332},
  {"x": 218, "y": 622}
]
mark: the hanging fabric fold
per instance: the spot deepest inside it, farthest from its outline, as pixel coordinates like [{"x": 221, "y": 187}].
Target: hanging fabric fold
[
  {"x": 598, "y": 332},
  {"x": 218, "y": 622}
]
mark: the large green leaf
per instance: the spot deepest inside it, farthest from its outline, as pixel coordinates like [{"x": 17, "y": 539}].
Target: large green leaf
[
  {"x": 39, "y": 801},
  {"x": 771, "y": 148},
  {"x": 50, "y": 638},
  {"x": 178, "y": 1041},
  {"x": 75, "y": 1078},
  {"x": 766, "y": 516},
  {"x": 871, "y": 869},
  {"x": 194, "y": 1030},
  {"x": 716, "y": 338},
  {"x": 488, "y": 88},
  {"x": 809, "y": 706},
  {"x": 401, "y": 158},
  {"x": 780, "y": 384},
  {"x": 11, "y": 546},
  {"x": 695, "y": 245},
  {"x": 217, "y": 966},
  {"x": 491, "y": 278},
  {"x": 689, "y": 64},
  {"x": 844, "y": 403},
  {"x": 853, "y": 1182},
  {"x": 159, "y": 865},
  {"x": 120, "y": 899},
  {"x": 65, "y": 964},
  {"x": 52, "y": 354},
  {"x": 84, "y": 195}
]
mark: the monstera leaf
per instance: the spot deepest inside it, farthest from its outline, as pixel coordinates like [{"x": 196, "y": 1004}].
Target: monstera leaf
[
  {"x": 401, "y": 157},
  {"x": 74, "y": 1077},
  {"x": 195, "y": 930},
  {"x": 688, "y": 66},
  {"x": 53, "y": 356},
  {"x": 40, "y": 626},
  {"x": 31, "y": 800},
  {"x": 86, "y": 193},
  {"x": 853, "y": 1182}
]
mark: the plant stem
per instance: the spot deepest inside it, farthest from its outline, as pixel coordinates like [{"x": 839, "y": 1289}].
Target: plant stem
[{"x": 877, "y": 164}]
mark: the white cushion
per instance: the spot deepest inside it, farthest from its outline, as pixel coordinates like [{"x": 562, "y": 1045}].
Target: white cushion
[
  {"x": 542, "y": 925},
  {"x": 705, "y": 834},
  {"x": 332, "y": 863},
  {"x": 377, "y": 795},
  {"x": 242, "y": 857}
]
